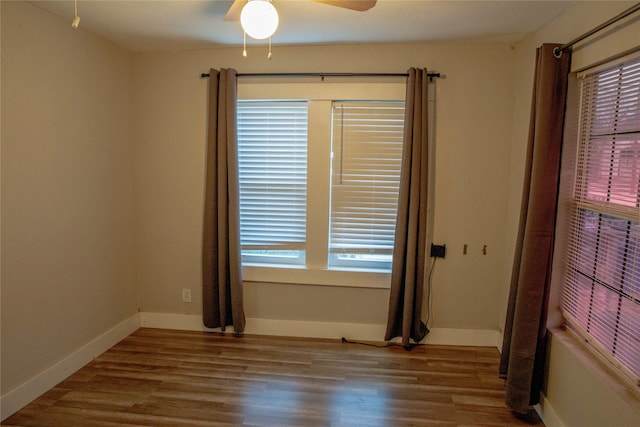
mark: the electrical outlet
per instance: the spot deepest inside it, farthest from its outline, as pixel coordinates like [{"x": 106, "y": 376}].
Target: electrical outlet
[
  {"x": 438, "y": 251},
  {"x": 186, "y": 295}
]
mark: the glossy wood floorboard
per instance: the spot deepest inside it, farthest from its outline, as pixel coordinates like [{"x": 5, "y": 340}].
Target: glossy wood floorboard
[{"x": 164, "y": 378}]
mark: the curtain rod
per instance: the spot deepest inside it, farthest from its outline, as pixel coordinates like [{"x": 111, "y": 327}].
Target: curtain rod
[
  {"x": 558, "y": 50},
  {"x": 323, "y": 75}
]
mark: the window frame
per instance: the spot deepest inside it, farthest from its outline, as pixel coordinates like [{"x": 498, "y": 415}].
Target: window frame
[
  {"x": 319, "y": 95},
  {"x": 573, "y": 200}
]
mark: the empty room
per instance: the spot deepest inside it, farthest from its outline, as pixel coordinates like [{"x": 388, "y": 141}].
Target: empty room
[{"x": 330, "y": 213}]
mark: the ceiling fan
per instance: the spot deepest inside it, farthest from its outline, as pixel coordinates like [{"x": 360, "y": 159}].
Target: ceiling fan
[{"x": 233, "y": 14}]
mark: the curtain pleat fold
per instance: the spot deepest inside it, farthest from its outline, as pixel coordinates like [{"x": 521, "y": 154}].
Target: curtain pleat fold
[
  {"x": 222, "y": 290},
  {"x": 525, "y": 332},
  {"x": 408, "y": 266}
]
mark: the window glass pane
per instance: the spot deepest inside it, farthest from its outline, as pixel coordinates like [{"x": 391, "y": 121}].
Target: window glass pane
[
  {"x": 602, "y": 322},
  {"x": 365, "y": 177},
  {"x": 627, "y": 344},
  {"x": 585, "y": 242},
  {"x": 632, "y": 266},
  {"x": 613, "y": 170},
  {"x": 612, "y": 252},
  {"x": 578, "y": 293},
  {"x": 272, "y": 157}
]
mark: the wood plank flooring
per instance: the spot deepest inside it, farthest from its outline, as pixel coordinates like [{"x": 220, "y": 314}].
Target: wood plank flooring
[{"x": 165, "y": 378}]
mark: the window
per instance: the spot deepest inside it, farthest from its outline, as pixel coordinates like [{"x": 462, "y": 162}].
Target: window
[
  {"x": 272, "y": 162},
  {"x": 601, "y": 290},
  {"x": 319, "y": 181},
  {"x": 365, "y": 180}
]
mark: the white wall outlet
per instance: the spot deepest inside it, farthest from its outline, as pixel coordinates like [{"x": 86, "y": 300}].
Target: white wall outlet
[{"x": 186, "y": 295}]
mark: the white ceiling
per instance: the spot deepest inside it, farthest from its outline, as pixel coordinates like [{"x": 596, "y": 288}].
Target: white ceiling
[{"x": 151, "y": 25}]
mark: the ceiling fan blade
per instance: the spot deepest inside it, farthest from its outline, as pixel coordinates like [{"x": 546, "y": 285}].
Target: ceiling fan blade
[
  {"x": 233, "y": 14},
  {"x": 359, "y": 5}
]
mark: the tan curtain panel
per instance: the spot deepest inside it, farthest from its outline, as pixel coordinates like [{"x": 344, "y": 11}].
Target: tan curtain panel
[
  {"x": 523, "y": 349},
  {"x": 222, "y": 296},
  {"x": 408, "y": 267}
]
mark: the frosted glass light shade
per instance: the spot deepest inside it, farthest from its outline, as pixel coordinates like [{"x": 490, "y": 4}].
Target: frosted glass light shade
[{"x": 259, "y": 19}]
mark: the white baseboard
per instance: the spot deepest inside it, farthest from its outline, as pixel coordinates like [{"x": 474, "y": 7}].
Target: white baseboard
[
  {"x": 546, "y": 412},
  {"x": 273, "y": 327},
  {"x": 329, "y": 330},
  {"x": 307, "y": 329},
  {"x": 466, "y": 337},
  {"x": 181, "y": 322},
  {"x": 27, "y": 392}
]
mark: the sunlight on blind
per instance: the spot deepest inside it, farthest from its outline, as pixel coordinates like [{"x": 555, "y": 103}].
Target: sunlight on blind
[{"x": 601, "y": 296}]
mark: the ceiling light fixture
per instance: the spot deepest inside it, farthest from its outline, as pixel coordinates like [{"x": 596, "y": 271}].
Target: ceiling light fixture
[{"x": 259, "y": 19}]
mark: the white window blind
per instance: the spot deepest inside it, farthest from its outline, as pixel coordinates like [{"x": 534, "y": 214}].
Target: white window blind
[
  {"x": 365, "y": 177},
  {"x": 601, "y": 294},
  {"x": 272, "y": 152}
]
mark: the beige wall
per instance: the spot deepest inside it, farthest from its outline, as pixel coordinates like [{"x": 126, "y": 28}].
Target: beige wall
[
  {"x": 575, "y": 389},
  {"x": 67, "y": 194},
  {"x": 473, "y": 127}
]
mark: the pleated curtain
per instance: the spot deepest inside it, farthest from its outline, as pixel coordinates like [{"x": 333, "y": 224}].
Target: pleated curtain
[
  {"x": 524, "y": 345},
  {"x": 221, "y": 257},
  {"x": 408, "y": 266}
]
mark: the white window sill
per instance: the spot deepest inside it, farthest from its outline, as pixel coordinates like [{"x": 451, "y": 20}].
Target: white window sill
[
  {"x": 601, "y": 368},
  {"x": 321, "y": 277}
]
